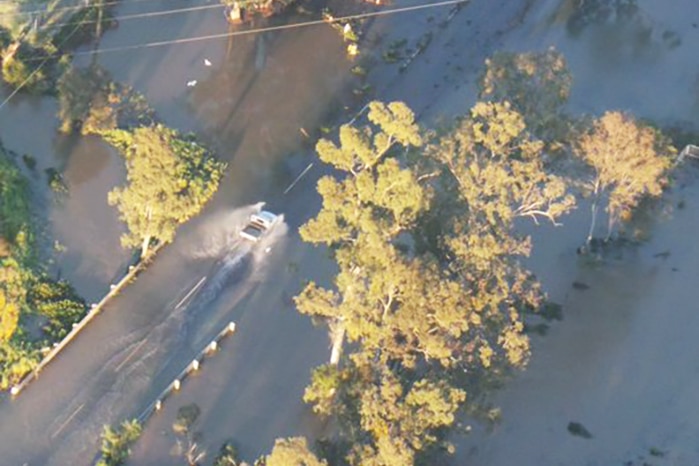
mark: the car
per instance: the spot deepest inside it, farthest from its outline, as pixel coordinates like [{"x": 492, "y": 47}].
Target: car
[{"x": 259, "y": 224}]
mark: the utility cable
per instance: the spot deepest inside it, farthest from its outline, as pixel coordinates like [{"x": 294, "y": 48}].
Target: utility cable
[
  {"x": 138, "y": 15},
  {"x": 231, "y": 34},
  {"x": 37, "y": 69},
  {"x": 186, "y": 40},
  {"x": 68, "y": 8}
]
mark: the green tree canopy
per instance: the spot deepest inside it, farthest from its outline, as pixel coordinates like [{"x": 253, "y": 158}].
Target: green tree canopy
[
  {"x": 169, "y": 180},
  {"x": 428, "y": 280},
  {"x": 292, "y": 451},
  {"x": 14, "y": 205},
  {"x": 9, "y": 316},
  {"x": 116, "y": 443},
  {"x": 91, "y": 102},
  {"x": 629, "y": 160},
  {"x": 537, "y": 84}
]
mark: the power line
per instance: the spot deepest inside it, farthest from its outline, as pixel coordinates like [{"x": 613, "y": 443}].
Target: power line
[
  {"x": 68, "y": 8},
  {"x": 231, "y": 34},
  {"x": 37, "y": 69},
  {"x": 187, "y": 40},
  {"x": 139, "y": 15}
]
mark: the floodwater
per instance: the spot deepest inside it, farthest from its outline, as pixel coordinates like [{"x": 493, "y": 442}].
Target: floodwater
[
  {"x": 620, "y": 363},
  {"x": 78, "y": 225},
  {"x": 249, "y": 105}
]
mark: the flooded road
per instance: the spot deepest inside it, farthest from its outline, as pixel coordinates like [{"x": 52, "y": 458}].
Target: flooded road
[
  {"x": 605, "y": 366},
  {"x": 250, "y": 110}
]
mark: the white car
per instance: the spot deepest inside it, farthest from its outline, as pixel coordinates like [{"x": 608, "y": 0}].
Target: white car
[{"x": 258, "y": 225}]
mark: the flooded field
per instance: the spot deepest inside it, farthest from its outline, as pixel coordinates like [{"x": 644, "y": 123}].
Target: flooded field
[{"x": 620, "y": 363}]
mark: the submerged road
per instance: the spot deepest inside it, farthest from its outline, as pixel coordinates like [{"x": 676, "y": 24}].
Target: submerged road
[
  {"x": 129, "y": 353},
  {"x": 249, "y": 105}
]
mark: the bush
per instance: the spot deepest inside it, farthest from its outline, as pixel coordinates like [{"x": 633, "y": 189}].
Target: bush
[
  {"x": 116, "y": 443},
  {"x": 16, "y": 360},
  {"x": 14, "y": 207},
  {"x": 16, "y": 73},
  {"x": 59, "y": 303}
]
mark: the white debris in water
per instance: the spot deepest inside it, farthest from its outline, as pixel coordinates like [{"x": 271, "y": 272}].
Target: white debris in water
[
  {"x": 268, "y": 249},
  {"x": 207, "y": 62},
  {"x": 192, "y": 83}
]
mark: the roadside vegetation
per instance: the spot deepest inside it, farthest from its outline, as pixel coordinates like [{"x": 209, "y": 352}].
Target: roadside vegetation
[
  {"x": 36, "y": 311},
  {"x": 430, "y": 296},
  {"x": 170, "y": 177},
  {"x": 91, "y": 102},
  {"x": 429, "y": 300},
  {"x": 264, "y": 8},
  {"x": 116, "y": 443},
  {"x": 35, "y": 48}
]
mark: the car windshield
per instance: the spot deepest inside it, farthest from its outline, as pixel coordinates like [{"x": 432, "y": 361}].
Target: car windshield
[{"x": 253, "y": 230}]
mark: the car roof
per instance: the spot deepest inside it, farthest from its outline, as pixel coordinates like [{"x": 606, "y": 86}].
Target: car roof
[{"x": 267, "y": 216}]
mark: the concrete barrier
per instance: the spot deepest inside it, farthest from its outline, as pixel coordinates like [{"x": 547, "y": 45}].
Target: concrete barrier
[
  {"x": 193, "y": 366},
  {"x": 95, "y": 309}
]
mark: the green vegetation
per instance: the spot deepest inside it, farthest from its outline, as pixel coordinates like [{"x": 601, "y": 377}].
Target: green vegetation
[
  {"x": 262, "y": 7},
  {"x": 183, "y": 426},
  {"x": 116, "y": 443},
  {"x": 170, "y": 178},
  {"x": 35, "y": 57},
  {"x": 629, "y": 161},
  {"x": 35, "y": 311},
  {"x": 430, "y": 290},
  {"x": 292, "y": 452},
  {"x": 227, "y": 456},
  {"x": 421, "y": 227},
  {"x": 84, "y": 26},
  {"x": 186, "y": 417},
  {"x": 92, "y": 103},
  {"x": 537, "y": 86}
]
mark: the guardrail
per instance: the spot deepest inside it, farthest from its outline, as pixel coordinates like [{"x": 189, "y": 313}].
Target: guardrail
[
  {"x": 193, "y": 366},
  {"x": 176, "y": 384},
  {"x": 95, "y": 309}
]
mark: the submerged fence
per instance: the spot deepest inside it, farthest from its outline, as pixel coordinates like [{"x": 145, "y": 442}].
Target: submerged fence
[{"x": 690, "y": 151}]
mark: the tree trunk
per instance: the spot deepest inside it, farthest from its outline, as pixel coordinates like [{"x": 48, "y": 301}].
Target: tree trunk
[
  {"x": 337, "y": 335},
  {"x": 610, "y": 224},
  {"x": 98, "y": 26},
  {"x": 144, "y": 247},
  {"x": 593, "y": 222}
]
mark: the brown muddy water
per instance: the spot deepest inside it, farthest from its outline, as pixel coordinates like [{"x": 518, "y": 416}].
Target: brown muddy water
[
  {"x": 249, "y": 105},
  {"x": 620, "y": 363},
  {"x": 79, "y": 231}
]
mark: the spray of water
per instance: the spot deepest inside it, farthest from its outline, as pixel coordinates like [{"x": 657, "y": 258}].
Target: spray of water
[
  {"x": 240, "y": 264},
  {"x": 220, "y": 233}
]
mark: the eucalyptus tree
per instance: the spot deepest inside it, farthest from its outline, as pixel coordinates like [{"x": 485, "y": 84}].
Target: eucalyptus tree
[
  {"x": 536, "y": 84},
  {"x": 422, "y": 229},
  {"x": 116, "y": 443},
  {"x": 629, "y": 160},
  {"x": 292, "y": 451},
  {"x": 169, "y": 180}
]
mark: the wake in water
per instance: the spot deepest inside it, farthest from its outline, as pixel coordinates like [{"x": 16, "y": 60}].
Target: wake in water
[
  {"x": 220, "y": 235},
  {"x": 147, "y": 356},
  {"x": 240, "y": 262}
]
